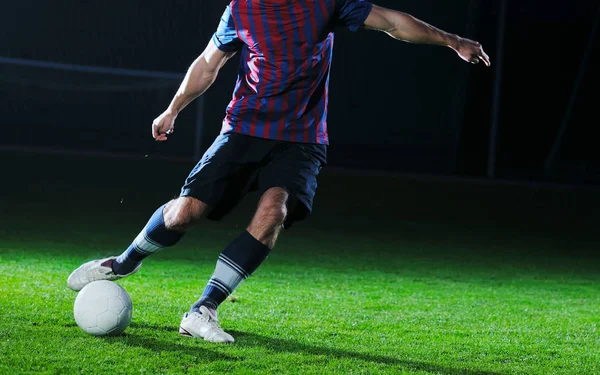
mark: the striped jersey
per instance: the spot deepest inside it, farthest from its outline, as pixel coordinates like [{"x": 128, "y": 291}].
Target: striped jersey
[{"x": 286, "y": 50}]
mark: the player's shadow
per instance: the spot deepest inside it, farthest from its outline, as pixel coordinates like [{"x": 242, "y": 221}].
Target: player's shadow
[
  {"x": 202, "y": 354},
  {"x": 245, "y": 339},
  {"x": 154, "y": 327},
  {"x": 290, "y": 346}
]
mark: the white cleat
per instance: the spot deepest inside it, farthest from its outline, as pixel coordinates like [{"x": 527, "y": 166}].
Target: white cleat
[
  {"x": 94, "y": 271},
  {"x": 203, "y": 325}
]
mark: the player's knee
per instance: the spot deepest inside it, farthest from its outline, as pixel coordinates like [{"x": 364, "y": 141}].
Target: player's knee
[
  {"x": 179, "y": 214},
  {"x": 272, "y": 213},
  {"x": 276, "y": 214}
]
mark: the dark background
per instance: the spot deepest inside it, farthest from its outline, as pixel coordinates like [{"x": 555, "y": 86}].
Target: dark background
[{"x": 394, "y": 106}]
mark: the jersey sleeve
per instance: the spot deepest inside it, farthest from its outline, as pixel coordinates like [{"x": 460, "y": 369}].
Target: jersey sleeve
[
  {"x": 226, "y": 37},
  {"x": 353, "y": 13}
]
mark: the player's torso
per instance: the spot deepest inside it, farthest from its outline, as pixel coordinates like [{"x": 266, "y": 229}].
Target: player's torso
[
  {"x": 281, "y": 92},
  {"x": 286, "y": 41}
]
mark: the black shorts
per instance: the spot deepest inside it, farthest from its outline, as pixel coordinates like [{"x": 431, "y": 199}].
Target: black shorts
[{"x": 236, "y": 164}]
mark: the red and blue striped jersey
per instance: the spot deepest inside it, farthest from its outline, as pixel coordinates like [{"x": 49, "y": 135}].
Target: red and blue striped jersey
[{"x": 286, "y": 50}]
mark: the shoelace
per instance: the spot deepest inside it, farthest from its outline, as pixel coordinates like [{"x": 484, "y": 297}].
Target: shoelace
[
  {"x": 212, "y": 321},
  {"x": 102, "y": 271}
]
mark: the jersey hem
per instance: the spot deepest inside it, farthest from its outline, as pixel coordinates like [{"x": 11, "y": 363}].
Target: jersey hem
[{"x": 316, "y": 142}]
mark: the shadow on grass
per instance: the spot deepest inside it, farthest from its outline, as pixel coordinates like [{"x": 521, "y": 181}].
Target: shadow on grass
[
  {"x": 175, "y": 345},
  {"x": 154, "y": 327},
  {"x": 245, "y": 339},
  {"x": 291, "y": 346}
]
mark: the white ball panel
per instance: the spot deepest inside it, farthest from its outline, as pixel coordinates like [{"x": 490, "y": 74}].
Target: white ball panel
[
  {"x": 115, "y": 305},
  {"x": 103, "y": 307}
]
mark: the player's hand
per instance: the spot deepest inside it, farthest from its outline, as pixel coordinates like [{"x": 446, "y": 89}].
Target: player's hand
[
  {"x": 471, "y": 51},
  {"x": 163, "y": 125}
]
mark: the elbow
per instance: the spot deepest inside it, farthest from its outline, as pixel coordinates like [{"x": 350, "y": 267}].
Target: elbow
[
  {"x": 396, "y": 33},
  {"x": 210, "y": 71},
  {"x": 395, "y": 27},
  {"x": 210, "y": 76}
]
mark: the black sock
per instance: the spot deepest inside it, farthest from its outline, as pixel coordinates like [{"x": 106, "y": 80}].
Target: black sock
[{"x": 238, "y": 261}]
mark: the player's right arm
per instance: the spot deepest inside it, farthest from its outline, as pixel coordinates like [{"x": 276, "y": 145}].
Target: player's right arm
[
  {"x": 405, "y": 27},
  {"x": 201, "y": 74},
  {"x": 199, "y": 77}
]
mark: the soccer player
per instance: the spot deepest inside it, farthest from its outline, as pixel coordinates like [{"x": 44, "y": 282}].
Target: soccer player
[{"x": 273, "y": 138}]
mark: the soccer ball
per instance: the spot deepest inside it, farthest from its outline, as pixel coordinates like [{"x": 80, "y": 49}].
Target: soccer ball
[{"x": 103, "y": 308}]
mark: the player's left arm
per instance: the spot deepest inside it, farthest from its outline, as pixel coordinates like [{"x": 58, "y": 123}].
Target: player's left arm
[
  {"x": 405, "y": 27},
  {"x": 199, "y": 77}
]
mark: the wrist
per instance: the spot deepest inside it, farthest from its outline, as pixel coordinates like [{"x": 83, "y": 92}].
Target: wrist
[
  {"x": 172, "y": 112},
  {"x": 453, "y": 41}
]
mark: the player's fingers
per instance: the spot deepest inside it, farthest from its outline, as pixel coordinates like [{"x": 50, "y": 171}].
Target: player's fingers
[
  {"x": 161, "y": 137},
  {"x": 485, "y": 58},
  {"x": 154, "y": 131},
  {"x": 480, "y": 58},
  {"x": 486, "y": 61}
]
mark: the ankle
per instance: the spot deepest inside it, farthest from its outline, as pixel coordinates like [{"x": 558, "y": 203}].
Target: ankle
[
  {"x": 212, "y": 311},
  {"x": 122, "y": 268},
  {"x": 109, "y": 263},
  {"x": 209, "y": 305}
]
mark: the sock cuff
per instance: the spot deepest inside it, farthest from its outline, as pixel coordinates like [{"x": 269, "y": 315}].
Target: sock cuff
[
  {"x": 205, "y": 301},
  {"x": 246, "y": 236},
  {"x": 156, "y": 231},
  {"x": 247, "y": 251},
  {"x": 157, "y": 219}
]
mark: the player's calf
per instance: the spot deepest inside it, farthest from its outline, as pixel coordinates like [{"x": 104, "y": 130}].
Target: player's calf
[
  {"x": 245, "y": 253},
  {"x": 165, "y": 228},
  {"x": 269, "y": 217},
  {"x": 181, "y": 213}
]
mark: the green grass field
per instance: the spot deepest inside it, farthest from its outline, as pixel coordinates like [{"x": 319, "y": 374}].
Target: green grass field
[{"x": 389, "y": 276}]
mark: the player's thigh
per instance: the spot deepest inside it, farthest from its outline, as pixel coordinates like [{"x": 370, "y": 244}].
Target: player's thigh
[{"x": 224, "y": 173}]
